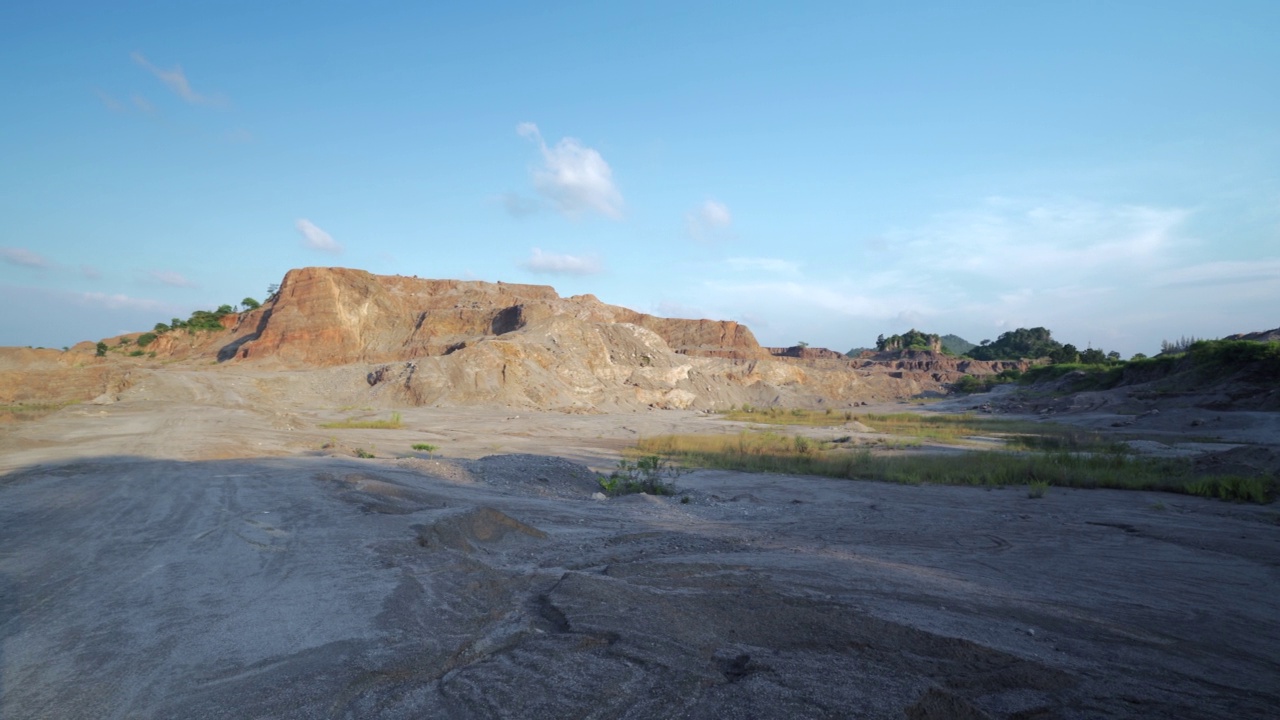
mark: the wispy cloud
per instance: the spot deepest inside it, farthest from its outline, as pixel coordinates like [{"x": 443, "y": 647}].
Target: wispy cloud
[
  {"x": 23, "y": 257},
  {"x": 176, "y": 80},
  {"x": 1222, "y": 272},
  {"x": 767, "y": 265},
  {"x": 108, "y": 101},
  {"x": 118, "y": 301},
  {"x": 143, "y": 104},
  {"x": 171, "y": 278},
  {"x": 574, "y": 177},
  {"x": 1003, "y": 238},
  {"x": 673, "y": 309},
  {"x": 317, "y": 239},
  {"x": 554, "y": 264},
  {"x": 519, "y": 206},
  {"x": 709, "y": 221}
]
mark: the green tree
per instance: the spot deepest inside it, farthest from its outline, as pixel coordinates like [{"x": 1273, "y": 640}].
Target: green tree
[
  {"x": 161, "y": 328},
  {"x": 250, "y": 304},
  {"x": 102, "y": 348},
  {"x": 1093, "y": 356},
  {"x": 1018, "y": 344}
]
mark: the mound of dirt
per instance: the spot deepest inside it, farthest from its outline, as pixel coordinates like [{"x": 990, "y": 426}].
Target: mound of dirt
[{"x": 476, "y": 527}]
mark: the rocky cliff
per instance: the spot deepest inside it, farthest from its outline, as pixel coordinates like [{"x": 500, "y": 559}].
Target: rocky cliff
[
  {"x": 337, "y": 316},
  {"x": 452, "y": 342}
]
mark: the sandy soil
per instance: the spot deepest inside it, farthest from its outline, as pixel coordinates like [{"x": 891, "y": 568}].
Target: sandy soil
[{"x": 193, "y": 550}]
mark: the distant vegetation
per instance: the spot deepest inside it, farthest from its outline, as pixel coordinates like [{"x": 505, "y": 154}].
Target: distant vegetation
[
  {"x": 1035, "y": 343},
  {"x": 910, "y": 340},
  {"x": 956, "y": 345},
  {"x": 1203, "y": 361},
  {"x": 1052, "y": 461}
]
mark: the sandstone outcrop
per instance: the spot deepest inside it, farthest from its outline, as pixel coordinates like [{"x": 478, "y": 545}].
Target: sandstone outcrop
[
  {"x": 337, "y": 316},
  {"x": 454, "y": 342},
  {"x": 53, "y": 377}
]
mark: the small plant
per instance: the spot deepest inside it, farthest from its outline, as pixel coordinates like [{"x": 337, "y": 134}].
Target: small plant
[
  {"x": 648, "y": 474},
  {"x": 424, "y": 447},
  {"x": 1037, "y": 489},
  {"x": 364, "y": 454}
]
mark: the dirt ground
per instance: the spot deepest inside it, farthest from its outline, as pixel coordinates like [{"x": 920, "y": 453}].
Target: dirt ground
[{"x": 201, "y": 548}]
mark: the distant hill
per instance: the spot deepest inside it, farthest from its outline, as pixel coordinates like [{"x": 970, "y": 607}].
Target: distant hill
[{"x": 956, "y": 345}]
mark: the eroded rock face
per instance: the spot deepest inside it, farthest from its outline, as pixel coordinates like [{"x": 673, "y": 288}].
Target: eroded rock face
[
  {"x": 55, "y": 377},
  {"x": 337, "y": 316},
  {"x": 454, "y": 342}
]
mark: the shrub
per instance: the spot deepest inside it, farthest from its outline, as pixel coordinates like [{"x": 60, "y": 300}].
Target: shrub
[
  {"x": 102, "y": 349},
  {"x": 1037, "y": 488},
  {"x": 146, "y": 339},
  {"x": 425, "y": 447},
  {"x": 648, "y": 474}
]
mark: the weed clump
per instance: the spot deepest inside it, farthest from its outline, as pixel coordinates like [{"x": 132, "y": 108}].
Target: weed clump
[{"x": 652, "y": 474}]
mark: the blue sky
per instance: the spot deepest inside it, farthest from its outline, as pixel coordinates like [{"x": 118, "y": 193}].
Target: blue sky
[{"x": 824, "y": 172}]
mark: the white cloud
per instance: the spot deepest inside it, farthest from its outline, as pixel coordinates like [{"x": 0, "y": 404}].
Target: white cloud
[
  {"x": 673, "y": 309},
  {"x": 709, "y": 221},
  {"x": 1004, "y": 238},
  {"x": 177, "y": 81},
  {"x": 807, "y": 296},
  {"x": 574, "y": 177},
  {"x": 1222, "y": 272},
  {"x": 554, "y": 264},
  {"x": 119, "y": 301},
  {"x": 768, "y": 265},
  {"x": 1117, "y": 276},
  {"x": 317, "y": 239},
  {"x": 171, "y": 278},
  {"x": 24, "y": 258}
]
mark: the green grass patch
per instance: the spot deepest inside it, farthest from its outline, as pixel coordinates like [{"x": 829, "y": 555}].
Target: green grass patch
[
  {"x": 777, "y": 453},
  {"x": 424, "y": 447},
  {"x": 393, "y": 423},
  {"x": 792, "y": 416},
  {"x": 31, "y": 411},
  {"x": 948, "y": 429}
]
